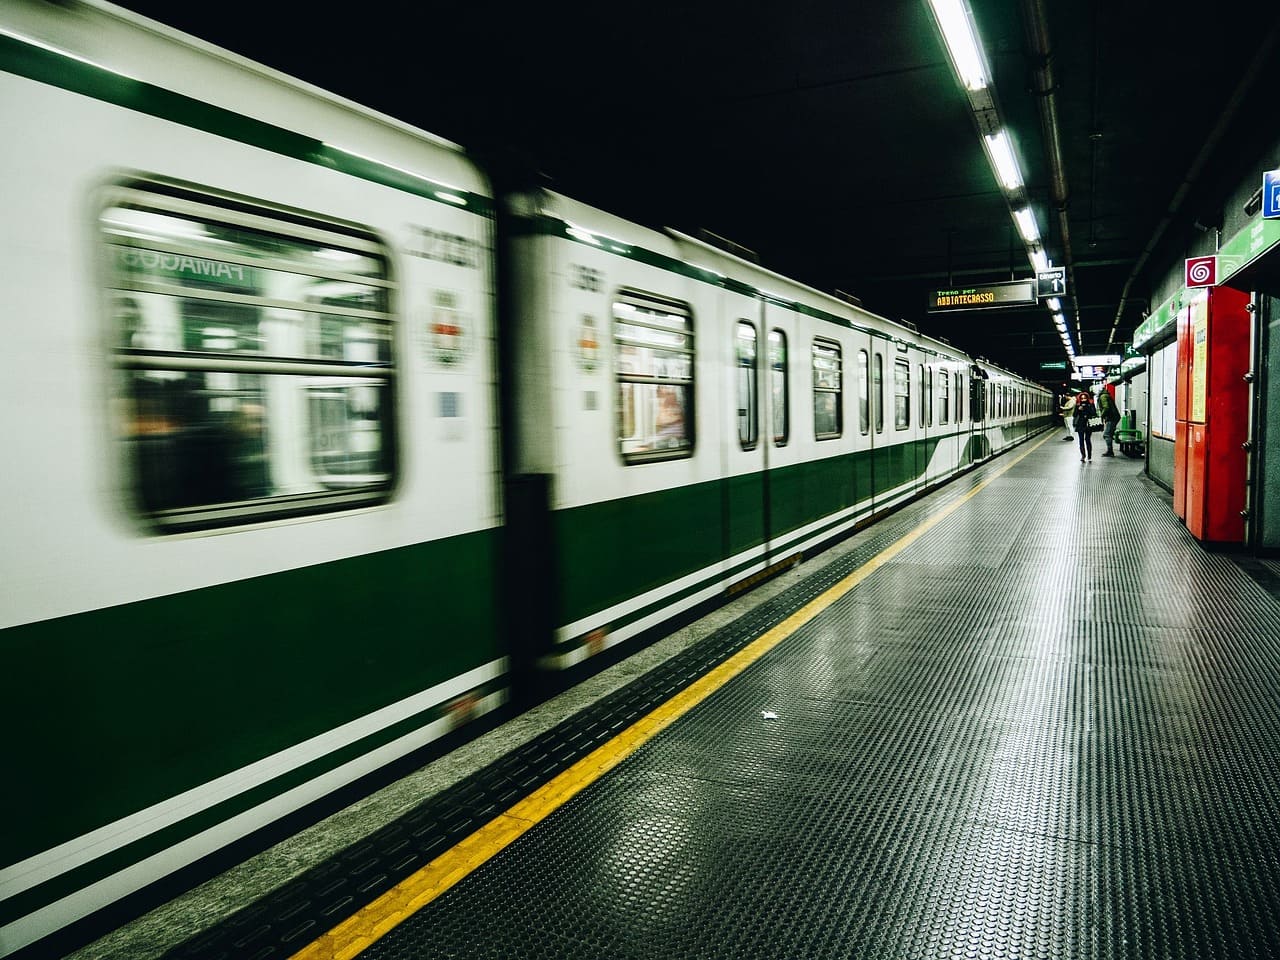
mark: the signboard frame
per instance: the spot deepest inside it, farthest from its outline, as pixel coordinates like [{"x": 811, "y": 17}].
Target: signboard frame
[
  {"x": 983, "y": 296},
  {"x": 1051, "y": 283},
  {"x": 1270, "y": 194},
  {"x": 1201, "y": 271}
]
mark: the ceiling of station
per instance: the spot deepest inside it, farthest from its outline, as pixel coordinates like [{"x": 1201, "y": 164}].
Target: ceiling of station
[{"x": 833, "y": 139}]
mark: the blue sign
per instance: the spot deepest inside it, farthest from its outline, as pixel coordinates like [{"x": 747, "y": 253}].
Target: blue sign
[{"x": 1271, "y": 194}]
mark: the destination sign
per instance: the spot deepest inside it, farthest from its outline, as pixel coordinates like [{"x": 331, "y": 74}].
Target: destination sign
[
  {"x": 985, "y": 296},
  {"x": 1053, "y": 365}
]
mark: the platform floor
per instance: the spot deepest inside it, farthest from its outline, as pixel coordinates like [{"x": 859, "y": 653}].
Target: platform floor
[{"x": 1026, "y": 717}]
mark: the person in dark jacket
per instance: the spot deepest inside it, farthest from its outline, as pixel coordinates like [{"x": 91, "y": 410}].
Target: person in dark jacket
[
  {"x": 1110, "y": 414},
  {"x": 1085, "y": 411}
]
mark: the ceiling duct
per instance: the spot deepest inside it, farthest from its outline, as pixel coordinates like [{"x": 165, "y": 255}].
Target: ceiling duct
[{"x": 1036, "y": 26}]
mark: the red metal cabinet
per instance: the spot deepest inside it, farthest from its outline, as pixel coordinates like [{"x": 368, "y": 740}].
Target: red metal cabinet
[
  {"x": 1214, "y": 410},
  {"x": 1181, "y": 389}
]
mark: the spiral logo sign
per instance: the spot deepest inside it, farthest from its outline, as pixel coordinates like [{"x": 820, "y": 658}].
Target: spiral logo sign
[{"x": 1202, "y": 271}]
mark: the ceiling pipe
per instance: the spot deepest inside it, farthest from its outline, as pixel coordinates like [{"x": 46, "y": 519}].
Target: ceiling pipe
[
  {"x": 1260, "y": 59},
  {"x": 1036, "y": 27}
]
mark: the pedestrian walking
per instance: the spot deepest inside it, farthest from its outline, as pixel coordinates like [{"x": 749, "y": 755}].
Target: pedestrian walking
[
  {"x": 1110, "y": 414},
  {"x": 1085, "y": 411}
]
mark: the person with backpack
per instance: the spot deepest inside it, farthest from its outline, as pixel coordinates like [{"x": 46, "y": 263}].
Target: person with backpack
[
  {"x": 1110, "y": 414},
  {"x": 1085, "y": 411}
]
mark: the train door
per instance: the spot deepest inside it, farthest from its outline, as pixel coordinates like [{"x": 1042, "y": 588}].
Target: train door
[
  {"x": 938, "y": 449},
  {"x": 977, "y": 447},
  {"x": 881, "y": 426},
  {"x": 744, "y": 485},
  {"x": 781, "y": 407},
  {"x": 920, "y": 442}
]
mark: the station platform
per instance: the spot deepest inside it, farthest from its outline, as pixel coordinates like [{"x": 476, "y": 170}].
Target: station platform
[{"x": 1027, "y": 716}]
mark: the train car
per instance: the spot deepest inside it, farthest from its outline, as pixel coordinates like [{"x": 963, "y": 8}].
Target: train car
[
  {"x": 296, "y": 409},
  {"x": 251, "y": 496},
  {"x": 701, "y": 420}
]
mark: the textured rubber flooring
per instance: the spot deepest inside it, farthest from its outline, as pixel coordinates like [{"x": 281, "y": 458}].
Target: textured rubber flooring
[{"x": 1049, "y": 728}]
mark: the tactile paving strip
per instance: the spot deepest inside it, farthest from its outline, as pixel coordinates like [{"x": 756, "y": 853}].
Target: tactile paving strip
[{"x": 1049, "y": 728}]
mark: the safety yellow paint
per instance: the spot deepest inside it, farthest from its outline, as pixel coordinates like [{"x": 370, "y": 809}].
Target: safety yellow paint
[{"x": 360, "y": 930}]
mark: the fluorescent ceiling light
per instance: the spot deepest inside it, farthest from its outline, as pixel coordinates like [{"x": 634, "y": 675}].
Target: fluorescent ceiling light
[
  {"x": 962, "y": 42},
  {"x": 1039, "y": 261},
  {"x": 1027, "y": 224},
  {"x": 1054, "y": 304},
  {"x": 1002, "y": 158}
]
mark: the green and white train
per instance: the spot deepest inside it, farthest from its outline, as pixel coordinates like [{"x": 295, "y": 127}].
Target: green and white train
[{"x": 294, "y": 406}]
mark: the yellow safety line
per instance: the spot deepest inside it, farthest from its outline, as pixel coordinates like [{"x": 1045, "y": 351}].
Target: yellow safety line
[{"x": 359, "y": 931}]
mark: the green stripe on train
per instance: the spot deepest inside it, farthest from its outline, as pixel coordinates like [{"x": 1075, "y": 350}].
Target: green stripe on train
[
  {"x": 186, "y": 688},
  {"x": 614, "y": 551},
  {"x": 77, "y": 76}
]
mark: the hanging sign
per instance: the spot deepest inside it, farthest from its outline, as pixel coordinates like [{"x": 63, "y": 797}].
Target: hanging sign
[
  {"x": 984, "y": 296},
  {"x": 1271, "y": 195},
  {"x": 1051, "y": 283},
  {"x": 1202, "y": 271}
]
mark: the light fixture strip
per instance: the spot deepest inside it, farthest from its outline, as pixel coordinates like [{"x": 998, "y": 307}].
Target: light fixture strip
[
  {"x": 1001, "y": 153},
  {"x": 962, "y": 42},
  {"x": 956, "y": 24},
  {"x": 1026, "y": 221}
]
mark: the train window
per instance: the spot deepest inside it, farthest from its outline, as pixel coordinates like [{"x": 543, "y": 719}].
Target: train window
[
  {"x": 254, "y": 358},
  {"x": 654, "y": 346},
  {"x": 864, "y": 394},
  {"x": 748, "y": 386},
  {"x": 827, "y": 390},
  {"x": 779, "y": 388},
  {"x": 901, "y": 395},
  {"x": 877, "y": 392},
  {"x": 959, "y": 397},
  {"x": 944, "y": 397}
]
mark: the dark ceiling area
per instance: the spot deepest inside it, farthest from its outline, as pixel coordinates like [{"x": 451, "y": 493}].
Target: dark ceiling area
[{"x": 833, "y": 139}]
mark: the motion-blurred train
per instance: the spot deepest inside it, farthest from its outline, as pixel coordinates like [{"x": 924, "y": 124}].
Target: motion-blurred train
[{"x": 308, "y": 437}]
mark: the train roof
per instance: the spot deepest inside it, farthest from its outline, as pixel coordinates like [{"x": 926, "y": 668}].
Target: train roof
[{"x": 108, "y": 43}]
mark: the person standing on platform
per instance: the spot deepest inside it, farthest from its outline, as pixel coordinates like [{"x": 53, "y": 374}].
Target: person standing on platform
[
  {"x": 1085, "y": 411},
  {"x": 1110, "y": 414},
  {"x": 1068, "y": 410}
]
